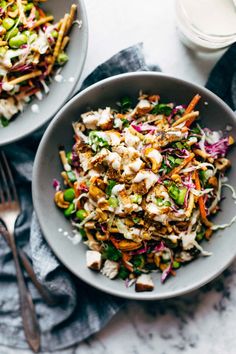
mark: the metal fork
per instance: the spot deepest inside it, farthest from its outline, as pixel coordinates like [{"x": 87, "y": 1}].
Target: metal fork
[{"x": 9, "y": 212}]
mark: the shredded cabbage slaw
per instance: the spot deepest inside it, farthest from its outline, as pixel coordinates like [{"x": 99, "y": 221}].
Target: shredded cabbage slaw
[
  {"x": 32, "y": 48},
  {"x": 141, "y": 185}
]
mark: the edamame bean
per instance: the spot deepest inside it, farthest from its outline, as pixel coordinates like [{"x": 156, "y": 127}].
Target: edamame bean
[
  {"x": 62, "y": 58},
  {"x": 3, "y": 5},
  {"x": 176, "y": 265},
  {"x": 69, "y": 210},
  {"x": 33, "y": 37},
  {"x": 18, "y": 40},
  {"x": 12, "y": 33},
  {"x": 8, "y": 23},
  {"x": 28, "y": 7},
  {"x": 54, "y": 34},
  {"x": 14, "y": 7},
  {"x": 69, "y": 195},
  {"x": 69, "y": 157},
  {"x": 81, "y": 214}
]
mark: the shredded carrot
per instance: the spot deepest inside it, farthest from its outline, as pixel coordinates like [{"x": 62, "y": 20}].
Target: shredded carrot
[
  {"x": 120, "y": 115},
  {"x": 190, "y": 116},
  {"x": 177, "y": 169},
  {"x": 76, "y": 189},
  {"x": 153, "y": 98},
  {"x": 41, "y": 12},
  {"x": 192, "y": 104},
  {"x": 208, "y": 233},
  {"x": 191, "y": 107},
  {"x": 126, "y": 257},
  {"x": 201, "y": 202},
  {"x": 114, "y": 242}
]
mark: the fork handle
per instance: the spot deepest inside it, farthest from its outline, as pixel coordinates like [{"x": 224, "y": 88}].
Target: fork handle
[
  {"x": 30, "y": 322},
  {"x": 46, "y": 295}
]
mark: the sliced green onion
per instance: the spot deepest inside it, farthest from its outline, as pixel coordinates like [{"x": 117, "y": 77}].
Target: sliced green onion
[
  {"x": 136, "y": 220},
  {"x": 69, "y": 157},
  {"x": 113, "y": 201},
  {"x": 136, "y": 198},
  {"x": 72, "y": 177}
]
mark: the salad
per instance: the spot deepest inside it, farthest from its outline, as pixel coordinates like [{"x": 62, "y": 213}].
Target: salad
[
  {"x": 32, "y": 47},
  {"x": 141, "y": 184}
]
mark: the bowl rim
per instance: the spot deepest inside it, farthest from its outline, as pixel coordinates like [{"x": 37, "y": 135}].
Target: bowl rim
[
  {"x": 70, "y": 91},
  {"x": 134, "y": 296}
]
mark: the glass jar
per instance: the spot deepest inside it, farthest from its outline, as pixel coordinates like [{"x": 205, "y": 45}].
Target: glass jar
[{"x": 206, "y": 24}]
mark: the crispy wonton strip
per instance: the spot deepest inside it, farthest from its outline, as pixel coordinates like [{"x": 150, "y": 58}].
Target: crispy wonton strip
[
  {"x": 25, "y": 77},
  {"x": 190, "y": 116},
  {"x": 201, "y": 153},
  {"x": 71, "y": 17},
  {"x": 42, "y": 21},
  {"x": 59, "y": 41},
  {"x": 190, "y": 205},
  {"x": 65, "y": 41}
]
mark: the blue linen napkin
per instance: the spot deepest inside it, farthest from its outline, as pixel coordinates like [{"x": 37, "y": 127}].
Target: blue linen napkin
[
  {"x": 222, "y": 79},
  {"x": 82, "y": 310}
]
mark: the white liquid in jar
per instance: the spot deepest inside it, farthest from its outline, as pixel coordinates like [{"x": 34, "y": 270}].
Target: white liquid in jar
[{"x": 212, "y": 17}]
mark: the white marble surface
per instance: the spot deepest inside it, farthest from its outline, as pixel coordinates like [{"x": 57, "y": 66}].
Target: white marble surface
[{"x": 203, "y": 321}]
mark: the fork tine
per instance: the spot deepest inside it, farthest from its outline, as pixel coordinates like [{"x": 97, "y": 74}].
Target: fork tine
[{"x": 8, "y": 179}]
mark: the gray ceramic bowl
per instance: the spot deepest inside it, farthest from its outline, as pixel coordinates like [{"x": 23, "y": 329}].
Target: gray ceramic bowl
[
  {"x": 27, "y": 122},
  {"x": 215, "y": 114}
]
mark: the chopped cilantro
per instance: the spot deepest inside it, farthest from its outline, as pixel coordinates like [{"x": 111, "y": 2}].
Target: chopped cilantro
[
  {"x": 160, "y": 202},
  {"x": 125, "y": 123},
  {"x": 123, "y": 273},
  {"x": 4, "y": 122},
  {"x": 125, "y": 104},
  {"x": 138, "y": 261},
  {"x": 110, "y": 184},
  {"x": 196, "y": 130},
  {"x": 110, "y": 252},
  {"x": 162, "y": 109}
]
